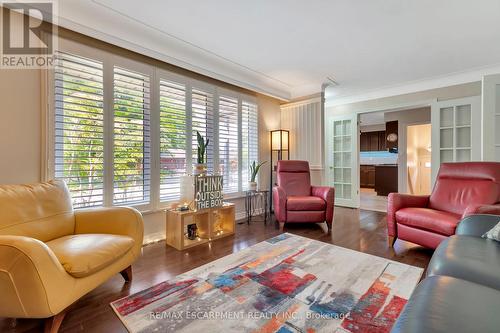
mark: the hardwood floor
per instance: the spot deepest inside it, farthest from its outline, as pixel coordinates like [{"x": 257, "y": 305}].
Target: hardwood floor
[
  {"x": 369, "y": 200},
  {"x": 359, "y": 230}
]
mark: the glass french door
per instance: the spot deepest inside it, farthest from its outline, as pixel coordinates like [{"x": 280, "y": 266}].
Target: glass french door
[
  {"x": 342, "y": 159},
  {"x": 491, "y": 118},
  {"x": 456, "y": 132}
]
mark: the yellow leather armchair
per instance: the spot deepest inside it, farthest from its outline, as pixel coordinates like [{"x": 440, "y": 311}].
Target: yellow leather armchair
[{"x": 51, "y": 255}]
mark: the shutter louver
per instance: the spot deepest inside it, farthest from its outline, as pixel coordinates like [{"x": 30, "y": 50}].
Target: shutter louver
[
  {"x": 228, "y": 143},
  {"x": 79, "y": 128},
  {"x": 203, "y": 121},
  {"x": 132, "y": 138},
  {"x": 250, "y": 140},
  {"x": 172, "y": 139}
]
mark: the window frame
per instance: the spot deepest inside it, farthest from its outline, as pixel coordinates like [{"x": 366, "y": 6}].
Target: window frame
[{"x": 155, "y": 74}]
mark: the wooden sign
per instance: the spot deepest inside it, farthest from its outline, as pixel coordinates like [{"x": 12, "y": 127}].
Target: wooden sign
[{"x": 208, "y": 191}]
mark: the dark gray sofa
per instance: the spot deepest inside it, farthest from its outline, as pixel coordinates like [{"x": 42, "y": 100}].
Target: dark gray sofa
[{"x": 461, "y": 291}]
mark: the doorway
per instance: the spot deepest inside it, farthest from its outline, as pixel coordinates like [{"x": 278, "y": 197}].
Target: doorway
[
  {"x": 418, "y": 159},
  {"x": 387, "y": 162}
]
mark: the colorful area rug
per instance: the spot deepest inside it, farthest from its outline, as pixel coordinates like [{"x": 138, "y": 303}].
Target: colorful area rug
[{"x": 285, "y": 284}]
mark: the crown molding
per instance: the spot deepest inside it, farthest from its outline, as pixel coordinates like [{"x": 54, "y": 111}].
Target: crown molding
[
  {"x": 109, "y": 26},
  {"x": 474, "y": 75}
]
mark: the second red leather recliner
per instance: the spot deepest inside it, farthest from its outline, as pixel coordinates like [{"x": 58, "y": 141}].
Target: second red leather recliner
[
  {"x": 295, "y": 200},
  {"x": 461, "y": 189}
]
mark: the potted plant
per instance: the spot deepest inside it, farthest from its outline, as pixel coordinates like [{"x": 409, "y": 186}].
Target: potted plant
[
  {"x": 201, "y": 166},
  {"x": 254, "y": 170}
]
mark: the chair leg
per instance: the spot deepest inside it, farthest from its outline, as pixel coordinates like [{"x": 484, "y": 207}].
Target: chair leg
[
  {"x": 53, "y": 323},
  {"x": 391, "y": 240},
  {"x": 127, "y": 274}
]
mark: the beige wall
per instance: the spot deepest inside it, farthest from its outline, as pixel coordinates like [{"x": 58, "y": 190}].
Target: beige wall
[{"x": 20, "y": 126}]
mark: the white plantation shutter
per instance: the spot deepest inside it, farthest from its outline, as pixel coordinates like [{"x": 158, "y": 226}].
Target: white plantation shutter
[
  {"x": 228, "y": 143},
  {"x": 202, "y": 105},
  {"x": 172, "y": 138},
  {"x": 102, "y": 142},
  {"x": 250, "y": 140},
  {"x": 79, "y": 128},
  {"x": 131, "y": 138}
]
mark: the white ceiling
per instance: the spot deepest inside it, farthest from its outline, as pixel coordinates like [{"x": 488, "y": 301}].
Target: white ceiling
[{"x": 287, "y": 48}]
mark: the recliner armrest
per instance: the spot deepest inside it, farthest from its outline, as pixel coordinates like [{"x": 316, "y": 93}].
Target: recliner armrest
[
  {"x": 279, "y": 202},
  {"x": 397, "y": 201},
  {"x": 476, "y": 225},
  {"x": 124, "y": 221},
  {"x": 328, "y": 194}
]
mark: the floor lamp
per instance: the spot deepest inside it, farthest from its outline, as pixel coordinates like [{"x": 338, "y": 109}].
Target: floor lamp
[{"x": 280, "y": 142}]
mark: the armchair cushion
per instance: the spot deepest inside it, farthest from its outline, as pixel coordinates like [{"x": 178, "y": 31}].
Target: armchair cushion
[
  {"x": 85, "y": 254},
  {"x": 294, "y": 177},
  {"x": 428, "y": 219},
  {"x": 305, "y": 203}
]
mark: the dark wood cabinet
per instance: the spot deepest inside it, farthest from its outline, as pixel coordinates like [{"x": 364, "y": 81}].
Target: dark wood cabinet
[
  {"x": 367, "y": 176},
  {"x": 386, "y": 179},
  {"x": 364, "y": 145},
  {"x": 372, "y": 141},
  {"x": 382, "y": 141}
]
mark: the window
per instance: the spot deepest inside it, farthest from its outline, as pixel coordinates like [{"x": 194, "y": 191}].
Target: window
[
  {"x": 123, "y": 132},
  {"x": 172, "y": 138},
  {"x": 228, "y": 143},
  {"x": 79, "y": 128},
  {"x": 132, "y": 138},
  {"x": 202, "y": 116},
  {"x": 249, "y": 140}
]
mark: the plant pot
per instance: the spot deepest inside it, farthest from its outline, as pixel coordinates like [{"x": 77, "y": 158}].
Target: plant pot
[
  {"x": 200, "y": 169},
  {"x": 252, "y": 186}
]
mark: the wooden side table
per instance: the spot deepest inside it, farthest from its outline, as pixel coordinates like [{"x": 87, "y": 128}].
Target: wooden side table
[{"x": 212, "y": 223}]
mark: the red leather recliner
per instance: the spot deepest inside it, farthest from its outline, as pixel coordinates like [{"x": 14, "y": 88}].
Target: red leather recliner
[
  {"x": 295, "y": 200},
  {"x": 461, "y": 189}
]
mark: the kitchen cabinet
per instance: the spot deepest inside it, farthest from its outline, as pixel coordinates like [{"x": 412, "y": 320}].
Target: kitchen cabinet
[
  {"x": 372, "y": 141},
  {"x": 367, "y": 176}
]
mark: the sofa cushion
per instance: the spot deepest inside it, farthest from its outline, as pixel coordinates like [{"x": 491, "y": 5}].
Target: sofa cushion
[
  {"x": 305, "y": 203},
  {"x": 442, "y": 304},
  {"x": 428, "y": 219},
  {"x": 469, "y": 258},
  {"x": 84, "y": 254},
  {"x": 42, "y": 211}
]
